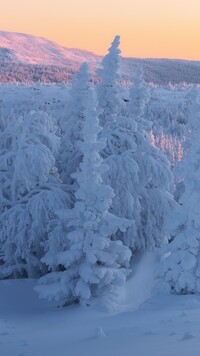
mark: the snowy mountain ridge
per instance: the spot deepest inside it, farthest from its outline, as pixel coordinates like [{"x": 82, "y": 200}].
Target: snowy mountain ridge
[
  {"x": 30, "y": 49},
  {"x": 27, "y": 58}
]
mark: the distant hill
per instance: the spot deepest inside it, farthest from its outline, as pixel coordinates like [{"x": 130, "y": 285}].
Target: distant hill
[{"x": 26, "y": 58}]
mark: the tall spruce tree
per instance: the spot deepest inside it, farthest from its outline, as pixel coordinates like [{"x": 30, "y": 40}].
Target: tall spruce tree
[
  {"x": 154, "y": 174},
  {"x": 86, "y": 262},
  {"x": 71, "y": 155},
  {"x": 138, "y": 172},
  {"x": 108, "y": 89},
  {"x": 138, "y": 99}
]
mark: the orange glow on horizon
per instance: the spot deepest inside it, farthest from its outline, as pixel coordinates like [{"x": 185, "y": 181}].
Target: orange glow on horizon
[{"x": 148, "y": 28}]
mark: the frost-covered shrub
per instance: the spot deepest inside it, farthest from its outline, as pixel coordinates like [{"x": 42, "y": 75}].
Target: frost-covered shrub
[{"x": 180, "y": 263}]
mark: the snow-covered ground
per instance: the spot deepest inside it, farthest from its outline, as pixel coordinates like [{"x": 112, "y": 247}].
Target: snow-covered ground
[{"x": 144, "y": 323}]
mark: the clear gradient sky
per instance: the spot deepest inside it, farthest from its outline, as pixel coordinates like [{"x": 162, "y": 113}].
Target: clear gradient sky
[{"x": 148, "y": 28}]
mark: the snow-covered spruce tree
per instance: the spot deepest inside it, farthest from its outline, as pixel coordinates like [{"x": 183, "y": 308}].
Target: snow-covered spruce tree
[
  {"x": 180, "y": 265},
  {"x": 141, "y": 178},
  {"x": 108, "y": 90},
  {"x": 138, "y": 98},
  {"x": 89, "y": 263},
  {"x": 6, "y": 142},
  {"x": 71, "y": 156},
  {"x": 123, "y": 172},
  {"x": 31, "y": 193},
  {"x": 154, "y": 174},
  {"x": 138, "y": 172}
]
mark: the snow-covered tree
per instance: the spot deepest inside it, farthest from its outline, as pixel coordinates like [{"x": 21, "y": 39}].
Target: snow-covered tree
[
  {"x": 28, "y": 154},
  {"x": 138, "y": 172},
  {"x": 108, "y": 89},
  {"x": 141, "y": 179},
  {"x": 30, "y": 193},
  {"x": 72, "y": 126},
  {"x": 110, "y": 103},
  {"x": 86, "y": 261},
  {"x": 25, "y": 228},
  {"x": 180, "y": 265},
  {"x": 154, "y": 174},
  {"x": 138, "y": 98}
]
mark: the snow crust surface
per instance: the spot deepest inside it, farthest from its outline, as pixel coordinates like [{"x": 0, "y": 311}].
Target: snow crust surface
[{"x": 159, "y": 325}]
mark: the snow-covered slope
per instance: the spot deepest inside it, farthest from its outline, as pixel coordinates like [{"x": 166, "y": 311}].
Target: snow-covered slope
[
  {"x": 30, "y": 49},
  {"x": 26, "y": 58},
  {"x": 163, "y": 325}
]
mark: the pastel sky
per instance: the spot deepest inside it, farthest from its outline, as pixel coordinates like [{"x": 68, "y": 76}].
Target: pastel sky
[{"x": 148, "y": 28}]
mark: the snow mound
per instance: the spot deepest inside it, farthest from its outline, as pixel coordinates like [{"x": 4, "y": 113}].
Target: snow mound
[{"x": 141, "y": 284}]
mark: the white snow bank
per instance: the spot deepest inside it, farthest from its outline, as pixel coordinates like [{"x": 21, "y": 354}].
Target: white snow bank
[
  {"x": 140, "y": 285},
  {"x": 164, "y": 325}
]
